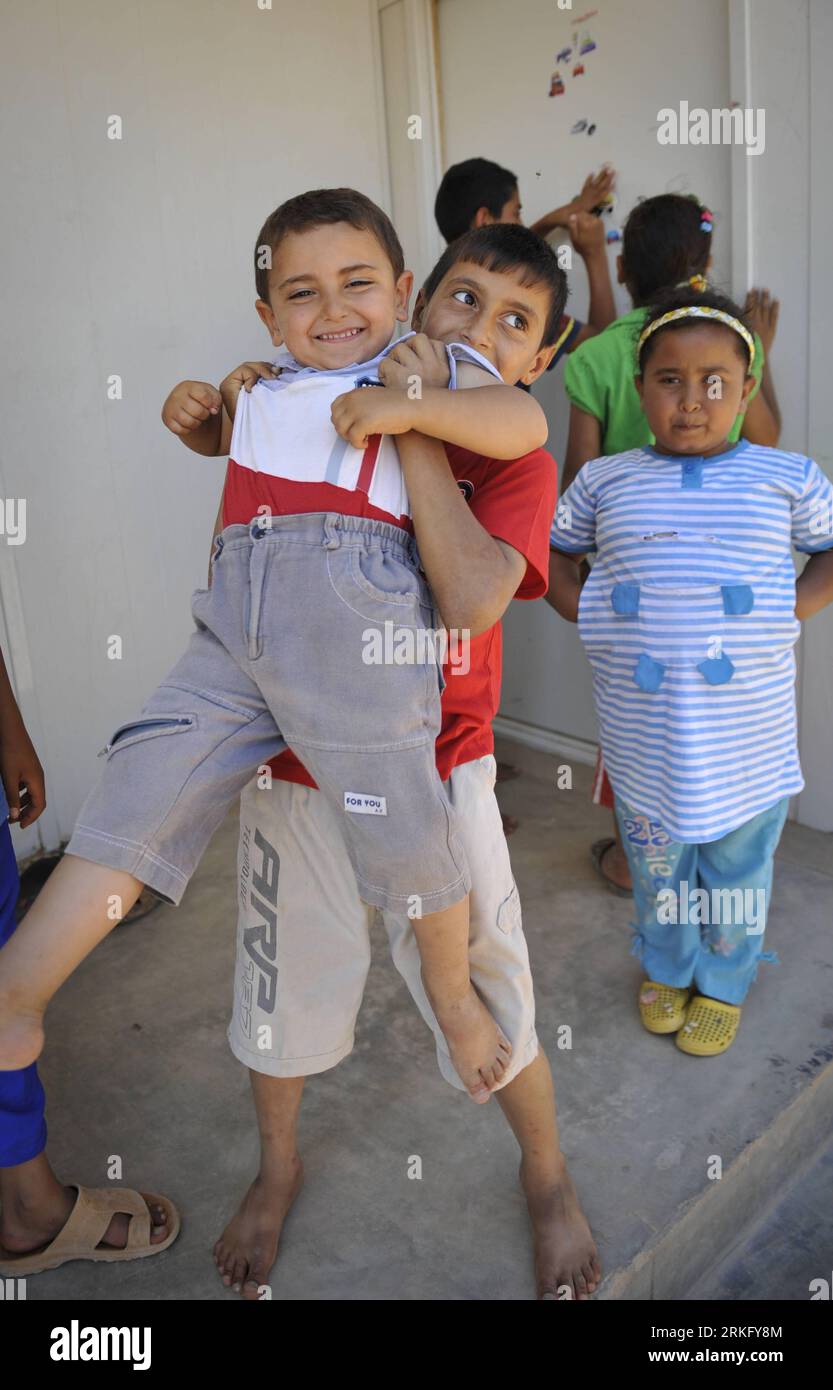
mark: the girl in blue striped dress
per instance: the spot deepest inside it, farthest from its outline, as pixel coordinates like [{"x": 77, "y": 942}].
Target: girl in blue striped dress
[{"x": 689, "y": 618}]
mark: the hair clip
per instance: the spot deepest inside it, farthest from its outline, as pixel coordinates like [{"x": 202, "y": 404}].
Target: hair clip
[
  {"x": 698, "y": 282},
  {"x": 706, "y": 220}
]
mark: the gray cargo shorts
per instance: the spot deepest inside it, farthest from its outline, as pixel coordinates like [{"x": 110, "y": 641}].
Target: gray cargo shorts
[{"x": 291, "y": 650}]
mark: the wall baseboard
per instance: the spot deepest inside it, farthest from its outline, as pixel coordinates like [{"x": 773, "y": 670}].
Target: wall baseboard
[{"x": 545, "y": 740}]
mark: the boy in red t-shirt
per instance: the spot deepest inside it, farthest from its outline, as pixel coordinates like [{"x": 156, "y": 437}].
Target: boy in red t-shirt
[{"x": 483, "y": 532}]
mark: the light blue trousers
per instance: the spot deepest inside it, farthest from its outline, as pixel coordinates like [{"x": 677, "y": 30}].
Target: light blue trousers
[{"x": 701, "y": 909}]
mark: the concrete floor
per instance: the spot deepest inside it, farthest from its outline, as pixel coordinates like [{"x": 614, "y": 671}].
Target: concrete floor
[
  {"x": 787, "y": 1251},
  {"x": 137, "y": 1065}
]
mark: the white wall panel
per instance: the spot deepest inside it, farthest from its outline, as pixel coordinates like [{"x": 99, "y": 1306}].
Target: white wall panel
[{"x": 135, "y": 257}]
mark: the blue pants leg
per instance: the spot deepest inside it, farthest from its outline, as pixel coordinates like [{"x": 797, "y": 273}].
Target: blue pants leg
[
  {"x": 717, "y": 949},
  {"x": 22, "y": 1101},
  {"x": 737, "y": 873},
  {"x": 668, "y": 951}
]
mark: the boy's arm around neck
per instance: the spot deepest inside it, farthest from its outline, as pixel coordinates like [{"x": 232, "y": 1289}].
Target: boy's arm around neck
[
  {"x": 493, "y": 419},
  {"x": 497, "y": 421},
  {"x": 473, "y": 576}
]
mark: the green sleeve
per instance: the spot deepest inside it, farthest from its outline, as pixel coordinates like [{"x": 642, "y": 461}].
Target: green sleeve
[{"x": 582, "y": 384}]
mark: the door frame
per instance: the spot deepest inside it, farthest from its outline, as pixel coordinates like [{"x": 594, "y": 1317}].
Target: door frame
[
  {"x": 423, "y": 78},
  {"x": 44, "y": 834}
]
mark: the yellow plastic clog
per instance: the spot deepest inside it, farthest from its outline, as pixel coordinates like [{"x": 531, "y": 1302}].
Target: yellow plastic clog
[
  {"x": 666, "y": 1013},
  {"x": 710, "y": 1027}
]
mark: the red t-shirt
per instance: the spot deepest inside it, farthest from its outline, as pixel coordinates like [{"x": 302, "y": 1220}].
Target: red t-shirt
[{"x": 515, "y": 502}]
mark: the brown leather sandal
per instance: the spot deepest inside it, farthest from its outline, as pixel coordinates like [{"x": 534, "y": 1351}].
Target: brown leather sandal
[
  {"x": 598, "y": 850},
  {"x": 87, "y": 1224}
]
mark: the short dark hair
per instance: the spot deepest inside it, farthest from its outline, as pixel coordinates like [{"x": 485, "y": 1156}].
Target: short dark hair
[
  {"x": 663, "y": 243},
  {"x": 504, "y": 246},
  {"x": 476, "y": 183},
  {"x": 685, "y": 299},
  {"x": 318, "y": 208}
]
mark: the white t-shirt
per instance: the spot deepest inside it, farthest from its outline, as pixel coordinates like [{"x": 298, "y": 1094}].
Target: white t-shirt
[{"x": 286, "y": 457}]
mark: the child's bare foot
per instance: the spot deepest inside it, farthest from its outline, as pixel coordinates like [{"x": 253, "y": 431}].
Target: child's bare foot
[
  {"x": 248, "y": 1247},
  {"x": 566, "y": 1259},
  {"x": 26, "y": 1228},
  {"x": 21, "y": 1034},
  {"x": 479, "y": 1050}
]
